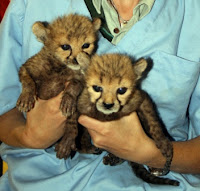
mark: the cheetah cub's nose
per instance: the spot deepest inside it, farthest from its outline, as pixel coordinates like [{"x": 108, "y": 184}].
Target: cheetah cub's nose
[{"x": 108, "y": 105}]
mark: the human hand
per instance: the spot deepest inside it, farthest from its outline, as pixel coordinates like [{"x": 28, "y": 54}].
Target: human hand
[
  {"x": 44, "y": 124},
  {"x": 124, "y": 137}
]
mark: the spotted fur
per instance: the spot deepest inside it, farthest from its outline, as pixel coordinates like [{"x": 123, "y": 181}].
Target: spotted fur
[
  {"x": 111, "y": 92},
  {"x": 44, "y": 75}
]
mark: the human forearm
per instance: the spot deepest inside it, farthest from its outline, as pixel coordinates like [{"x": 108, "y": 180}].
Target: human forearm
[
  {"x": 126, "y": 139},
  {"x": 186, "y": 157},
  {"x": 12, "y": 124},
  {"x": 42, "y": 128}
]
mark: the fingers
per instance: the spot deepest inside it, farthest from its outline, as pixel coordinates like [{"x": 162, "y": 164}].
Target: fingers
[
  {"x": 66, "y": 84},
  {"x": 106, "y": 134},
  {"x": 49, "y": 107},
  {"x": 54, "y": 100},
  {"x": 89, "y": 123},
  {"x": 94, "y": 124}
]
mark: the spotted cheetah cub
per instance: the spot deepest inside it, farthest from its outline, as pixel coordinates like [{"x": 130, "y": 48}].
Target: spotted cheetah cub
[
  {"x": 111, "y": 92},
  {"x": 44, "y": 75}
]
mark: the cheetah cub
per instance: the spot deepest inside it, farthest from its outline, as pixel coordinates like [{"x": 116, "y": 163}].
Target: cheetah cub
[
  {"x": 112, "y": 91},
  {"x": 44, "y": 75}
]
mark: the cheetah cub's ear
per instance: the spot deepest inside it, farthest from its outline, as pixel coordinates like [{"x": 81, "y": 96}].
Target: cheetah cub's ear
[
  {"x": 84, "y": 60},
  {"x": 96, "y": 23},
  {"x": 40, "y": 29},
  {"x": 139, "y": 67}
]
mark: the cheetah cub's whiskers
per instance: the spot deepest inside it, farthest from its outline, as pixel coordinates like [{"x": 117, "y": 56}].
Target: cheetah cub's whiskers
[
  {"x": 112, "y": 91},
  {"x": 44, "y": 75}
]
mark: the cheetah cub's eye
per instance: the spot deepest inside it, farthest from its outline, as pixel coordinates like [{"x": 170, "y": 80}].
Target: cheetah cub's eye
[
  {"x": 86, "y": 45},
  {"x": 66, "y": 47},
  {"x": 97, "y": 88},
  {"x": 121, "y": 91}
]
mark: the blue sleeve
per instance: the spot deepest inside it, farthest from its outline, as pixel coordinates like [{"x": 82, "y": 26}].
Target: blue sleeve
[
  {"x": 10, "y": 55},
  {"x": 189, "y": 44},
  {"x": 194, "y": 113},
  {"x": 189, "y": 36}
]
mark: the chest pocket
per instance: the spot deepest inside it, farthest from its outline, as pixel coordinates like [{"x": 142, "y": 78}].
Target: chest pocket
[{"x": 170, "y": 84}]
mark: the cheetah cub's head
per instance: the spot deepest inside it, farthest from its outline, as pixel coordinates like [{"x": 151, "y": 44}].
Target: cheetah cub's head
[
  {"x": 67, "y": 36},
  {"x": 111, "y": 80}
]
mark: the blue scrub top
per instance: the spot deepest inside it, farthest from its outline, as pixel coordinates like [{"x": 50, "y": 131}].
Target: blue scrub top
[{"x": 169, "y": 35}]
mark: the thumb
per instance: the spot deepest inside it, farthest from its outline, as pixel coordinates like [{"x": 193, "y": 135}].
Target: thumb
[{"x": 90, "y": 123}]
